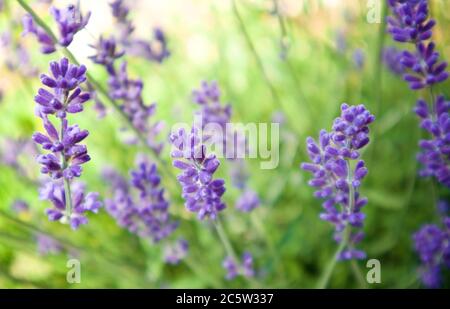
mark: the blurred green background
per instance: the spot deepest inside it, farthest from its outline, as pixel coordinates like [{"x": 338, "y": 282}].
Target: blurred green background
[{"x": 291, "y": 246}]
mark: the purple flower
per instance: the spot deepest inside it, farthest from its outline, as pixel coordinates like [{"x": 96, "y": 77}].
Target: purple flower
[
  {"x": 358, "y": 58},
  {"x": 174, "y": 253},
  {"x": 20, "y": 207},
  {"x": 410, "y": 22},
  {"x": 234, "y": 268},
  {"x": 65, "y": 153},
  {"x": 435, "y": 152},
  {"x": 69, "y": 21},
  {"x": 155, "y": 50},
  {"x": 81, "y": 203},
  {"x": 248, "y": 201},
  {"x": 433, "y": 246},
  {"x": 392, "y": 59},
  {"x": 29, "y": 26},
  {"x": 147, "y": 213},
  {"x": 107, "y": 53},
  {"x": 425, "y": 68},
  {"x": 129, "y": 93},
  {"x": 47, "y": 245},
  {"x": 334, "y": 177},
  {"x": 212, "y": 110},
  {"x": 202, "y": 193},
  {"x": 65, "y": 95}
]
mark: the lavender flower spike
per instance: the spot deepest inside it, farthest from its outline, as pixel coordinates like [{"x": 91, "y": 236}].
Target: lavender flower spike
[
  {"x": 147, "y": 213},
  {"x": 337, "y": 182},
  {"x": 201, "y": 192},
  {"x": 65, "y": 153},
  {"x": 29, "y": 26},
  {"x": 235, "y": 268},
  {"x": 69, "y": 21},
  {"x": 433, "y": 246}
]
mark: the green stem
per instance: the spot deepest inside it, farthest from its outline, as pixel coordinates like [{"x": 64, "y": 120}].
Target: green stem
[
  {"x": 326, "y": 275},
  {"x": 358, "y": 274},
  {"x": 200, "y": 271},
  {"x": 225, "y": 241},
  {"x": 255, "y": 54}
]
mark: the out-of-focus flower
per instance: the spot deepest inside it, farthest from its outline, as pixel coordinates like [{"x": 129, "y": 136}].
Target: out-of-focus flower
[
  {"x": 248, "y": 201},
  {"x": 29, "y": 26},
  {"x": 392, "y": 59},
  {"x": 146, "y": 214},
  {"x": 212, "y": 110},
  {"x": 433, "y": 246},
  {"x": 20, "y": 206},
  {"x": 359, "y": 58},
  {"x": 154, "y": 50},
  {"x": 202, "y": 193},
  {"x": 176, "y": 252},
  {"x": 335, "y": 179},
  {"x": 410, "y": 23},
  {"x": 47, "y": 245},
  {"x": 435, "y": 152},
  {"x": 234, "y": 268},
  {"x": 106, "y": 53},
  {"x": 70, "y": 21}
]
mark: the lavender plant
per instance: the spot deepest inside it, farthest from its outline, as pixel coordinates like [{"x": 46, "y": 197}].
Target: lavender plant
[
  {"x": 146, "y": 213},
  {"x": 335, "y": 178},
  {"x": 233, "y": 268},
  {"x": 410, "y": 23},
  {"x": 155, "y": 50},
  {"x": 202, "y": 193},
  {"x": 128, "y": 92},
  {"x": 69, "y": 21},
  {"x": 174, "y": 253},
  {"x": 432, "y": 243},
  {"x": 65, "y": 154}
]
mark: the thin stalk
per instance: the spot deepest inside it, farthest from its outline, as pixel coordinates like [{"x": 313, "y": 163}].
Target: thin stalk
[
  {"x": 225, "y": 241},
  {"x": 325, "y": 278},
  {"x": 255, "y": 54},
  {"x": 67, "y": 191},
  {"x": 200, "y": 271},
  {"x": 358, "y": 274},
  {"x": 326, "y": 275}
]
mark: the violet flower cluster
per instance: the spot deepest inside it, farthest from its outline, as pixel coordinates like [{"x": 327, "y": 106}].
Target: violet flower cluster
[
  {"x": 201, "y": 192},
  {"x": 127, "y": 91},
  {"x": 234, "y": 268},
  {"x": 155, "y": 50},
  {"x": 432, "y": 243},
  {"x": 69, "y": 21},
  {"x": 336, "y": 181},
  {"x": 174, "y": 253},
  {"x": 65, "y": 153},
  {"x": 392, "y": 60},
  {"x": 145, "y": 213},
  {"x": 212, "y": 110},
  {"x": 248, "y": 199},
  {"x": 410, "y": 23}
]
